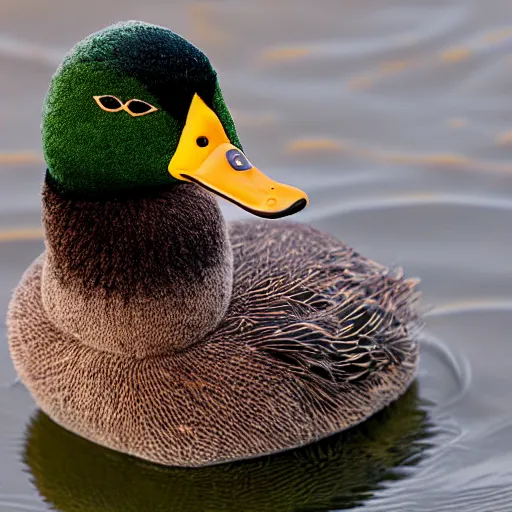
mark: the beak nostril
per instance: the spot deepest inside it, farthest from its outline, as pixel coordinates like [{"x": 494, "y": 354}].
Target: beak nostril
[{"x": 238, "y": 160}]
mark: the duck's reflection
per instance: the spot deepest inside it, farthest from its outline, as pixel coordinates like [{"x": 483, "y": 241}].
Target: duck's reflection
[{"x": 339, "y": 472}]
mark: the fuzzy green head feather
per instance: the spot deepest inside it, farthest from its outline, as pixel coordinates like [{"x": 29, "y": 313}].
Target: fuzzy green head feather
[{"x": 90, "y": 150}]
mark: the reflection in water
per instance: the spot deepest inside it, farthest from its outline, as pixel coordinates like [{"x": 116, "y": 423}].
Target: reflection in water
[{"x": 340, "y": 472}]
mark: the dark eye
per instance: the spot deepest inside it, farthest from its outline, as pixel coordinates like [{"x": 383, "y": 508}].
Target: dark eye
[
  {"x": 139, "y": 107},
  {"x": 202, "y": 141},
  {"x": 109, "y": 102}
]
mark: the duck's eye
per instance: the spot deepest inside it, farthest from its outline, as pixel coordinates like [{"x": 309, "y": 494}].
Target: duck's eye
[
  {"x": 202, "y": 141},
  {"x": 109, "y": 103},
  {"x": 139, "y": 107}
]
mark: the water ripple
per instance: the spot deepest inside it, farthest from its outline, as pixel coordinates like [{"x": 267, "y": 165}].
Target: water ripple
[
  {"x": 457, "y": 364},
  {"x": 15, "y": 505},
  {"x": 12, "y": 47},
  {"x": 470, "y": 306},
  {"x": 405, "y": 200}
]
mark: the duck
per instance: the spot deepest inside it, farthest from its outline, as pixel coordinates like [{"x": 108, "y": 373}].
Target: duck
[{"x": 152, "y": 326}]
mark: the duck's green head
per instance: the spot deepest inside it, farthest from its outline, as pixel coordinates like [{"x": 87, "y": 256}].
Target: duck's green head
[{"x": 137, "y": 106}]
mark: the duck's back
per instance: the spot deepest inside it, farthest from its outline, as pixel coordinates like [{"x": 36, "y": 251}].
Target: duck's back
[{"x": 329, "y": 314}]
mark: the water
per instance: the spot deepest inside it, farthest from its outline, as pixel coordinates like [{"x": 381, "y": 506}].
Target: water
[{"x": 396, "y": 118}]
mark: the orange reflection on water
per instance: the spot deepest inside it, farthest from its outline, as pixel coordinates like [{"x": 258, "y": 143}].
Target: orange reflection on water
[{"x": 21, "y": 158}]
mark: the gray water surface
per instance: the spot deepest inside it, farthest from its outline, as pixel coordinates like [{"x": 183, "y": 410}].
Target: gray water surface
[{"x": 396, "y": 118}]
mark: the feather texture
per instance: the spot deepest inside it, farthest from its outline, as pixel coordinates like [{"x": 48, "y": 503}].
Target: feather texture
[{"x": 331, "y": 315}]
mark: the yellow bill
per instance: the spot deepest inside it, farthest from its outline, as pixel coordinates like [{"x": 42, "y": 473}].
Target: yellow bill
[{"x": 206, "y": 157}]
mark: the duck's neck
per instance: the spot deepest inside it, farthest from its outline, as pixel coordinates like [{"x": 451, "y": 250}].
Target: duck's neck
[{"x": 140, "y": 276}]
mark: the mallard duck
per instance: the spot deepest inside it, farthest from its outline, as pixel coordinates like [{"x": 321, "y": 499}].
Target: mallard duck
[{"x": 151, "y": 326}]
